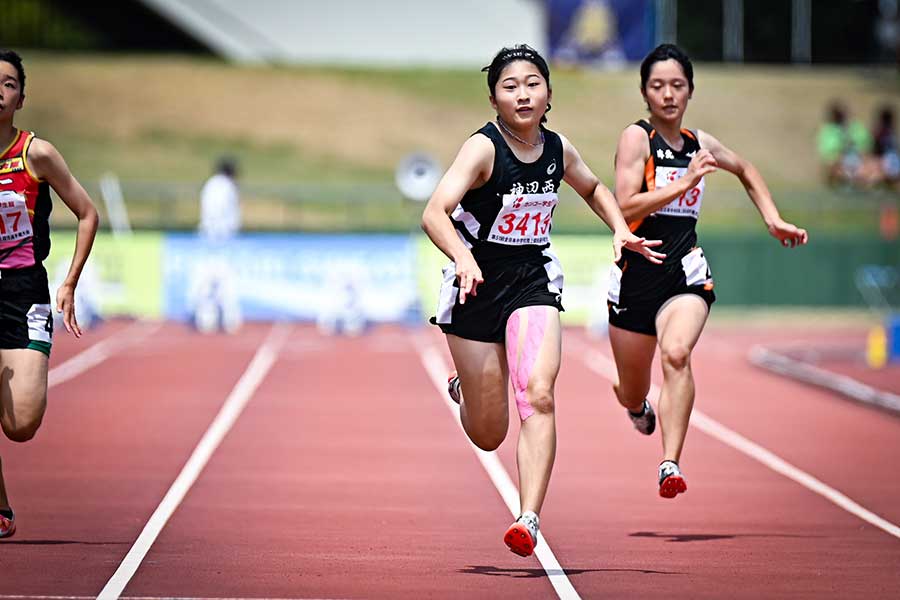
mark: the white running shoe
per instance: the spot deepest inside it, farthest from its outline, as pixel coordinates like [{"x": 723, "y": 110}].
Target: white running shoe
[
  {"x": 522, "y": 536},
  {"x": 646, "y": 421},
  {"x": 671, "y": 481}
]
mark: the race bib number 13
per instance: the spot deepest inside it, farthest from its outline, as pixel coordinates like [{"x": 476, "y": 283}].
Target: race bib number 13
[
  {"x": 524, "y": 219},
  {"x": 15, "y": 224},
  {"x": 687, "y": 204}
]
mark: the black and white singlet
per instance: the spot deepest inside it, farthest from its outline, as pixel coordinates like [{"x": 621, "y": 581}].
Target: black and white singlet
[{"x": 506, "y": 224}]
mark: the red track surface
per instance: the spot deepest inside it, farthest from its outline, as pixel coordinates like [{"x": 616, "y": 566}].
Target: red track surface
[{"x": 346, "y": 477}]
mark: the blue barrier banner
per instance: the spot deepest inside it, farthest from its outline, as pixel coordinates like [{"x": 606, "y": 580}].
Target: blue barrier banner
[
  {"x": 599, "y": 32},
  {"x": 306, "y": 277}
]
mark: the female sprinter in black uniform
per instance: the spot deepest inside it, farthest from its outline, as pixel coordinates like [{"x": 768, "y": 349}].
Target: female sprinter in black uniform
[
  {"x": 659, "y": 186},
  {"x": 491, "y": 215},
  {"x": 29, "y": 166}
]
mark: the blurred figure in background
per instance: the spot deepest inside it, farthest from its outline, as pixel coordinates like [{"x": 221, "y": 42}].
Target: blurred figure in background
[
  {"x": 220, "y": 209},
  {"x": 29, "y": 167},
  {"x": 884, "y": 148},
  {"x": 213, "y": 295},
  {"x": 841, "y": 145}
]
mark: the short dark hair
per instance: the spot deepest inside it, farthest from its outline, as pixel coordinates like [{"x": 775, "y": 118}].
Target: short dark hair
[
  {"x": 15, "y": 60},
  {"x": 837, "y": 113},
  {"x": 665, "y": 52},
  {"x": 510, "y": 55},
  {"x": 886, "y": 116},
  {"x": 227, "y": 165}
]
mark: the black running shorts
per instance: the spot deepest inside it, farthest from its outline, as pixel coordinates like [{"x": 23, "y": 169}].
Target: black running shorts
[
  {"x": 637, "y": 292},
  {"x": 506, "y": 288},
  {"x": 26, "y": 319}
]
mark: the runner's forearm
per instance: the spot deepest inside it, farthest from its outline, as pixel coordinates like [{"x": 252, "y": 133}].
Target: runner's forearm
[{"x": 84, "y": 241}]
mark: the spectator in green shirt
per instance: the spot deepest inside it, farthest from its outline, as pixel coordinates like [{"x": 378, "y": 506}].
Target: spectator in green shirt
[{"x": 842, "y": 143}]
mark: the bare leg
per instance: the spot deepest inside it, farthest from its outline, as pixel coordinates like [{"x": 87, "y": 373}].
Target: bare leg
[
  {"x": 484, "y": 404},
  {"x": 4, "y": 499},
  {"x": 533, "y": 349},
  {"x": 633, "y": 353},
  {"x": 23, "y": 398},
  {"x": 679, "y": 324}
]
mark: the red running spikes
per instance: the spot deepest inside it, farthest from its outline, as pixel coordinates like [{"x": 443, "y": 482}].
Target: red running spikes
[
  {"x": 519, "y": 540},
  {"x": 671, "y": 486}
]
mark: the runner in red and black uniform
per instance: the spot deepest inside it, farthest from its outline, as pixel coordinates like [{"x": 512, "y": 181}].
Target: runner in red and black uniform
[
  {"x": 491, "y": 215},
  {"x": 660, "y": 168},
  {"x": 29, "y": 167}
]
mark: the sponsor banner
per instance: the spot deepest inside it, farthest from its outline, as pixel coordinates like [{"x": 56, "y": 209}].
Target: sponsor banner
[
  {"x": 600, "y": 32},
  {"x": 307, "y": 277},
  {"x": 122, "y": 276},
  {"x": 585, "y": 260}
]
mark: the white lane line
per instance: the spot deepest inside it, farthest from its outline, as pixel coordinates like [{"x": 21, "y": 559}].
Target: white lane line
[
  {"x": 797, "y": 369},
  {"x": 437, "y": 370},
  {"x": 99, "y": 352},
  {"x": 604, "y": 366},
  {"x": 23, "y": 597},
  {"x": 244, "y": 389}
]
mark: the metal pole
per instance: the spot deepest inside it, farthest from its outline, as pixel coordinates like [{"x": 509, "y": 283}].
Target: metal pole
[
  {"x": 733, "y": 30},
  {"x": 801, "y": 31},
  {"x": 666, "y": 21}
]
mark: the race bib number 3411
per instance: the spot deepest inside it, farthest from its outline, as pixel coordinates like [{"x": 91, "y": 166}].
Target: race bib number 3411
[{"x": 524, "y": 219}]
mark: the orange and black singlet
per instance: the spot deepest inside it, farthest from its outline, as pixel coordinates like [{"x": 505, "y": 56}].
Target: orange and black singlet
[
  {"x": 675, "y": 224},
  {"x": 25, "y": 207}
]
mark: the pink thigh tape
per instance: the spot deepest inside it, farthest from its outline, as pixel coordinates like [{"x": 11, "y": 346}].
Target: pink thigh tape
[{"x": 521, "y": 352}]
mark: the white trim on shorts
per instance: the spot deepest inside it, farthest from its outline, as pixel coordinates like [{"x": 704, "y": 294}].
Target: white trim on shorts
[
  {"x": 554, "y": 272},
  {"x": 39, "y": 315},
  {"x": 615, "y": 284},
  {"x": 447, "y": 298}
]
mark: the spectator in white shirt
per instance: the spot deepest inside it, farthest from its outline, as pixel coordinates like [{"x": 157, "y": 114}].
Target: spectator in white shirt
[{"x": 220, "y": 210}]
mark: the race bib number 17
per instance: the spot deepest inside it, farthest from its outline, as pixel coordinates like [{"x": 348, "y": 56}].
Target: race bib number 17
[
  {"x": 524, "y": 219},
  {"x": 15, "y": 224}
]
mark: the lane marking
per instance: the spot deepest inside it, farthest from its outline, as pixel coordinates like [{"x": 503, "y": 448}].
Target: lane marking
[
  {"x": 243, "y": 391},
  {"x": 783, "y": 364},
  {"x": 22, "y": 597},
  {"x": 99, "y": 352},
  {"x": 606, "y": 367},
  {"x": 437, "y": 370}
]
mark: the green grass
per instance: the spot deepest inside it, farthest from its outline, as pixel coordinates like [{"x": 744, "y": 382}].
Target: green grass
[{"x": 314, "y": 141}]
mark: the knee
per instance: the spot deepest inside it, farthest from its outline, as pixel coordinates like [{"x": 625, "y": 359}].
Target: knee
[
  {"x": 23, "y": 432},
  {"x": 489, "y": 432},
  {"x": 488, "y": 443},
  {"x": 540, "y": 396},
  {"x": 22, "y": 427},
  {"x": 676, "y": 357},
  {"x": 488, "y": 440}
]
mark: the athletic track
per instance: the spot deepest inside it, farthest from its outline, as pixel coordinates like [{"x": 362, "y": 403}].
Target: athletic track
[{"x": 282, "y": 464}]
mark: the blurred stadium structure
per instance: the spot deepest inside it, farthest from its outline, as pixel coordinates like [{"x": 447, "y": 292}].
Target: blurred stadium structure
[
  {"x": 320, "y": 101},
  {"x": 463, "y": 32}
]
